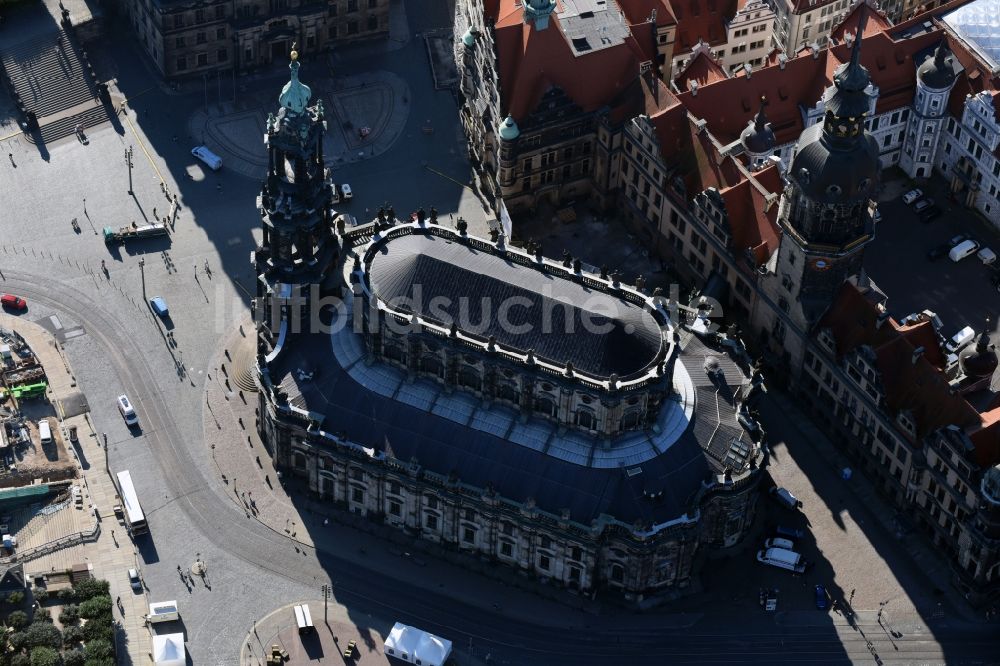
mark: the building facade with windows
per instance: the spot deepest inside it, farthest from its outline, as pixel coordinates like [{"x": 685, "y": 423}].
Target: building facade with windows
[{"x": 189, "y": 39}]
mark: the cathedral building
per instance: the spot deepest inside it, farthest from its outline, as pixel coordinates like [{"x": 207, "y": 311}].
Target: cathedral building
[{"x": 503, "y": 405}]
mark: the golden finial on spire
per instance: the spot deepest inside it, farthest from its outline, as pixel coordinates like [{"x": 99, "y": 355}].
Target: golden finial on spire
[{"x": 295, "y": 54}]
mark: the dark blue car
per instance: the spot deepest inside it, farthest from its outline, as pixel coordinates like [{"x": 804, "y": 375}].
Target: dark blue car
[{"x": 821, "y": 599}]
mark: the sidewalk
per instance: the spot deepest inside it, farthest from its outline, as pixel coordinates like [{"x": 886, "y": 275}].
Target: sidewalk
[
  {"x": 931, "y": 565},
  {"x": 112, "y": 554}
]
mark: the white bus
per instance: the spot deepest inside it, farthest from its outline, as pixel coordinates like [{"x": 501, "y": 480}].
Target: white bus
[{"x": 134, "y": 517}]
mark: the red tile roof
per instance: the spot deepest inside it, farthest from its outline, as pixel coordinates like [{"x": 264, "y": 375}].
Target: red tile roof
[
  {"x": 918, "y": 386},
  {"x": 702, "y": 68},
  {"x": 876, "y": 22},
  {"x": 531, "y": 62},
  {"x": 753, "y": 221},
  {"x": 703, "y": 20},
  {"x": 639, "y": 11}
]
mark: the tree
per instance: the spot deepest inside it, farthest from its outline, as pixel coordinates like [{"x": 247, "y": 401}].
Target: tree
[
  {"x": 43, "y": 615},
  {"x": 69, "y": 614},
  {"x": 95, "y": 607},
  {"x": 45, "y": 656},
  {"x": 41, "y": 594},
  {"x": 72, "y": 634},
  {"x": 74, "y": 658},
  {"x": 15, "y": 598},
  {"x": 43, "y": 634},
  {"x": 98, "y": 629},
  {"x": 18, "y": 641},
  {"x": 67, "y": 594},
  {"x": 20, "y": 660},
  {"x": 17, "y": 619},
  {"x": 98, "y": 650},
  {"x": 91, "y": 587}
]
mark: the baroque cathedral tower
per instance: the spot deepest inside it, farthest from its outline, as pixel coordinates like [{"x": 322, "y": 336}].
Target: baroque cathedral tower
[
  {"x": 825, "y": 213},
  {"x": 299, "y": 244}
]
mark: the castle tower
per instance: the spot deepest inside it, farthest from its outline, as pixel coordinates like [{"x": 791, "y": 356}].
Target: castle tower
[
  {"x": 758, "y": 139},
  {"x": 935, "y": 79},
  {"x": 299, "y": 244},
  {"x": 825, "y": 211}
]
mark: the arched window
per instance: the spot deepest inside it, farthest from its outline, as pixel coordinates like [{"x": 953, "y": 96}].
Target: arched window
[
  {"x": 298, "y": 460},
  {"x": 508, "y": 392},
  {"x": 545, "y": 405},
  {"x": 469, "y": 377},
  {"x": 617, "y": 573},
  {"x": 586, "y": 419},
  {"x": 630, "y": 419},
  {"x": 432, "y": 365}
]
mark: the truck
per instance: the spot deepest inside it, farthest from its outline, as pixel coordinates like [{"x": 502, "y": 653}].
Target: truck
[
  {"x": 133, "y": 232},
  {"x": 783, "y": 559}
]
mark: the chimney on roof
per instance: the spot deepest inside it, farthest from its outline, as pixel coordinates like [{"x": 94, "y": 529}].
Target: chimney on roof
[
  {"x": 700, "y": 125},
  {"x": 748, "y": 68},
  {"x": 652, "y": 16},
  {"x": 883, "y": 316},
  {"x": 693, "y": 87},
  {"x": 782, "y": 60},
  {"x": 814, "y": 47},
  {"x": 917, "y": 353}
]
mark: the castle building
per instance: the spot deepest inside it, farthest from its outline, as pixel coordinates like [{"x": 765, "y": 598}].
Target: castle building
[
  {"x": 489, "y": 399},
  {"x": 191, "y": 39}
]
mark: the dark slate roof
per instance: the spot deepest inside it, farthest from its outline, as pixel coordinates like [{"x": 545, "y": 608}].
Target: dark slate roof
[
  {"x": 830, "y": 174},
  {"x": 515, "y": 471},
  {"x": 608, "y": 335}
]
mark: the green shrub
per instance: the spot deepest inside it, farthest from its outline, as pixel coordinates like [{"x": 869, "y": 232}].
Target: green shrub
[
  {"x": 72, "y": 634},
  {"x": 15, "y": 598},
  {"x": 20, "y": 659},
  {"x": 69, "y": 614},
  {"x": 98, "y": 650},
  {"x": 43, "y": 615},
  {"x": 41, "y": 594},
  {"x": 45, "y": 656},
  {"x": 99, "y": 629},
  {"x": 74, "y": 658},
  {"x": 17, "y": 620},
  {"x": 67, "y": 594},
  {"x": 95, "y": 607},
  {"x": 43, "y": 634},
  {"x": 90, "y": 588},
  {"x": 18, "y": 641}
]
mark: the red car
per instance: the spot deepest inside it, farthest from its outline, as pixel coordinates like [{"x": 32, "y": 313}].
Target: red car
[{"x": 13, "y": 302}]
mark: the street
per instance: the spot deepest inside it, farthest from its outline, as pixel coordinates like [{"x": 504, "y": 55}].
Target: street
[{"x": 177, "y": 389}]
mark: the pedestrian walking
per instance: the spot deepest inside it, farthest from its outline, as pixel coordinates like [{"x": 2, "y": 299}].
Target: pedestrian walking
[
  {"x": 119, "y": 601},
  {"x": 154, "y": 213}
]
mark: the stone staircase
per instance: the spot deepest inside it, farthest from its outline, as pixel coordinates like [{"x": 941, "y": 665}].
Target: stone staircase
[{"x": 50, "y": 77}]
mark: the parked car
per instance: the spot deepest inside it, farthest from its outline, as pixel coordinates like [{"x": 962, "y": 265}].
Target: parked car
[
  {"x": 785, "y": 498},
  {"x": 938, "y": 251},
  {"x": 778, "y": 542},
  {"x": 127, "y": 410},
  {"x": 821, "y": 598},
  {"x": 962, "y": 250},
  {"x": 932, "y": 212},
  {"x": 788, "y": 532},
  {"x": 960, "y": 340},
  {"x": 13, "y": 302},
  {"x": 987, "y": 256},
  {"x": 345, "y": 192},
  {"x": 955, "y": 240},
  {"x": 134, "y": 580},
  {"x": 213, "y": 161},
  {"x": 159, "y": 307},
  {"x": 923, "y": 204},
  {"x": 912, "y": 196}
]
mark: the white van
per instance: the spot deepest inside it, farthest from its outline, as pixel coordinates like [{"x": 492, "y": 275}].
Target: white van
[
  {"x": 303, "y": 619},
  {"x": 782, "y": 558},
  {"x": 786, "y": 498},
  {"x": 213, "y": 161},
  {"x": 987, "y": 256},
  {"x": 44, "y": 432},
  {"x": 778, "y": 542},
  {"x": 127, "y": 411},
  {"x": 963, "y": 250},
  {"x": 960, "y": 340}
]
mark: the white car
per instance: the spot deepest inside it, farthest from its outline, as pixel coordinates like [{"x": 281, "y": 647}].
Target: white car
[
  {"x": 213, "y": 161},
  {"x": 987, "y": 256},
  {"x": 912, "y": 196},
  {"x": 345, "y": 192},
  {"x": 127, "y": 411}
]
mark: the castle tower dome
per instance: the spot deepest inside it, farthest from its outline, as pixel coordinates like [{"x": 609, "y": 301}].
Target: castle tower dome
[{"x": 758, "y": 137}]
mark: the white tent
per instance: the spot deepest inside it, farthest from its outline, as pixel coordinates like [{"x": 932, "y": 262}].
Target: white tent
[
  {"x": 410, "y": 644},
  {"x": 168, "y": 650}
]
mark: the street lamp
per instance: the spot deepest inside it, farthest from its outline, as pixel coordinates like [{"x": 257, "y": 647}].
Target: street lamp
[
  {"x": 142, "y": 272},
  {"x": 128, "y": 163}
]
